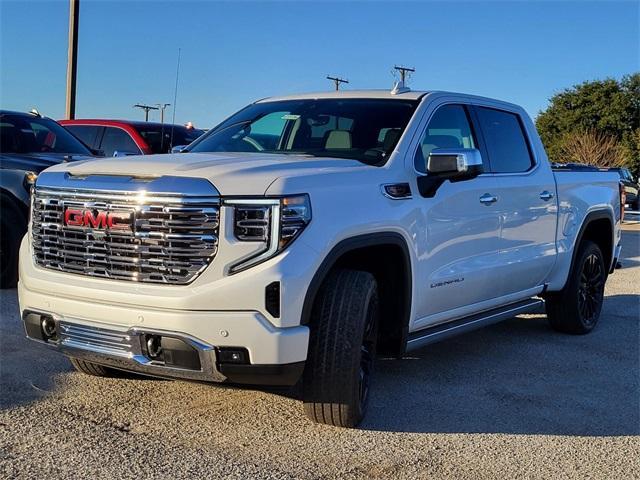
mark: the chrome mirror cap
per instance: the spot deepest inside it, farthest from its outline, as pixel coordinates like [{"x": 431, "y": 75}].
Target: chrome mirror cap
[{"x": 454, "y": 161}]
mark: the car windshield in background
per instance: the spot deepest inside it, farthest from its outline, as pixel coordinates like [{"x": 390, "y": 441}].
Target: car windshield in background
[
  {"x": 31, "y": 134},
  {"x": 360, "y": 129},
  {"x": 158, "y": 137}
]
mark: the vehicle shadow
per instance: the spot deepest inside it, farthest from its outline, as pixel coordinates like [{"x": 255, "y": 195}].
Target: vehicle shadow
[
  {"x": 27, "y": 370},
  {"x": 630, "y": 249},
  {"x": 518, "y": 377}
]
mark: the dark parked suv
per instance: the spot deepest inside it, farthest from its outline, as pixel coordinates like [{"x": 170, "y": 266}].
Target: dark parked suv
[
  {"x": 29, "y": 143},
  {"x": 630, "y": 186}
]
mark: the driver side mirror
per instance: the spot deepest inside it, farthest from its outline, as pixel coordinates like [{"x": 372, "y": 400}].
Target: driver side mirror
[{"x": 454, "y": 164}]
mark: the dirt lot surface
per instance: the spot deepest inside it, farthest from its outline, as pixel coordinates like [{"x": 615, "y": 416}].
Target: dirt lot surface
[{"x": 514, "y": 400}]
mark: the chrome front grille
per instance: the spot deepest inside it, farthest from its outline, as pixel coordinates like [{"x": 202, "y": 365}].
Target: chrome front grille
[{"x": 167, "y": 237}]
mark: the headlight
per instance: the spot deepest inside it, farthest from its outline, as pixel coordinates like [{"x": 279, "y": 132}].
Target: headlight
[
  {"x": 275, "y": 222},
  {"x": 30, "y": 179}
]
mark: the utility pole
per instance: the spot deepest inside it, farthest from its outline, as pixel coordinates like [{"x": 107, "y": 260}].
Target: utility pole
[
  {"x": 162, "y": 106},
  {"x": 72, "y": 58},
  {"x": 146, "y": 109},
  {"x": 403, "y": 72},
  {"x": 337, "y": 81}
]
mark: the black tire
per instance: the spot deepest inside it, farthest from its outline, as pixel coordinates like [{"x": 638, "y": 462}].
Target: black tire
[
  {"x": 91, "y": 368},
  {"x": 12, "y": 229},
  {"x": 635, "y": 206},
  {"x": 342, "y": 348},
  {"x": 576, "y": 309}
]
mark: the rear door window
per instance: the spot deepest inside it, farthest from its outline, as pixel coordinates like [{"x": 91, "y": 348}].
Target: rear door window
[
  {"x": 88, "y": 134},
  {"x": 117, "y": 140},
  {"x": 505, "y": 140},
  {"x": 8, "y": 138}
]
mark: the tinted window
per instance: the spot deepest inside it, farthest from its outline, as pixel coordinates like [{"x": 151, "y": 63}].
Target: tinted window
[
  {"x": 86, "y": 133},
  {"x": 449, "y": 127},
  {"x": 26, "y": 134},
  {"x": 365, "y": 130},
  {"x": 116, "y": 139},
  {"x": 506, "y": 144},
  {"x": 158, "y": 137}
]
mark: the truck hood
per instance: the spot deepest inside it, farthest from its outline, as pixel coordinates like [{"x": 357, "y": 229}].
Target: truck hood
[{"x": 230, "y": 173}]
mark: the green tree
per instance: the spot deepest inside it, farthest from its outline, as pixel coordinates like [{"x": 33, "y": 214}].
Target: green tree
[{"x": 611, "y": 108}]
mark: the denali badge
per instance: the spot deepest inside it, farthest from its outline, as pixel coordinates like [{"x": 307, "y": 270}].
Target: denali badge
[{"x": 97, "y": 219}]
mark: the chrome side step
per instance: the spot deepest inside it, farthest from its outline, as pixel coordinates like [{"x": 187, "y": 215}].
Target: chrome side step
[{"x": 456, "y": 327}]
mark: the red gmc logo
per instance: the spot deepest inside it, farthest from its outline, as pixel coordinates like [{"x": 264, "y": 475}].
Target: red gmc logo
[{"x": 98, "y": 219}]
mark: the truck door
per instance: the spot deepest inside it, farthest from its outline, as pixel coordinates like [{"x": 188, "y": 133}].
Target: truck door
[
  {"x": 525, "y": 187},
  {"x": 456, "y": 271}
]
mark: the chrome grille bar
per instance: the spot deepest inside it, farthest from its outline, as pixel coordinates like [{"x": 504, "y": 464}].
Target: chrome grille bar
[{"x": 171, "y": 239}]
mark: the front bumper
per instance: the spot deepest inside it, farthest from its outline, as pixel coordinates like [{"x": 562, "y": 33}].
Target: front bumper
[{"x": 115, "y": 336}]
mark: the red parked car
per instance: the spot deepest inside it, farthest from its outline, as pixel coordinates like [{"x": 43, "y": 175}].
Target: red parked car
[{"x": 130, "y": 138}]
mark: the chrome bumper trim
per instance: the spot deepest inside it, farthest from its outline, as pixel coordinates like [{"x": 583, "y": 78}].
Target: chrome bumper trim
[{"x": 122, "y": 349}]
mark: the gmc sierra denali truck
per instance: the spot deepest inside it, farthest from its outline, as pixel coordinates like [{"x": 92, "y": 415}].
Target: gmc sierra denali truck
[{"x": 306, "y": 234}]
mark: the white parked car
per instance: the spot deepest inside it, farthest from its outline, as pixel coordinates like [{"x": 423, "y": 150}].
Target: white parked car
[{"x": 305, "y": 234}]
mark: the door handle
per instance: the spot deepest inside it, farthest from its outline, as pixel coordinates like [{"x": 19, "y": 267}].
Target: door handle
[
  {"x": 546, "y": 195},
  {"x": 488, "y": 199}
]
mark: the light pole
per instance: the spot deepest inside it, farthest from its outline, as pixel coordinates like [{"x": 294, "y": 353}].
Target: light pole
[
  {"x": 162, "y": 106},
  {"x": 72, "y": 58}
]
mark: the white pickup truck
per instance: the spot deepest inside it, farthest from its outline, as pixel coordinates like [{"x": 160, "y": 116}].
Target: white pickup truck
[{"x": 306, "y": 234}]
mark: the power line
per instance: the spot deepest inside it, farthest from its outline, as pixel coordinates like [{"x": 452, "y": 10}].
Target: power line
[
  {"x": 146, "y": 109},
  {"x": 337, "y": 81}
]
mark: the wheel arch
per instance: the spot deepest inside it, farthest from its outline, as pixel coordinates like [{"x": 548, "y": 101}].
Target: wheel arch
[
  {"x": 597, "y": 226},
  {"x": 9, "y": 201},
  {"x": 386, "y": 255}
]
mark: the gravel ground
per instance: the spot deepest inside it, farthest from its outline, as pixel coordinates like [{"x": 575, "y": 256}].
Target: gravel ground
[{"x": 514, "y": 400}]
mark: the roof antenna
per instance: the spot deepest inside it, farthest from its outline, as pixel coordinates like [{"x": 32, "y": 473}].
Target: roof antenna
[
  {"x": 337, "y": 81},
  {"x": 401, "y": 86},
  {"x": 175, "y": 101}
]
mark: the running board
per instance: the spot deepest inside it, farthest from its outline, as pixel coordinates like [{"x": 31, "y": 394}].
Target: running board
[{"x": 445, "y": 330}]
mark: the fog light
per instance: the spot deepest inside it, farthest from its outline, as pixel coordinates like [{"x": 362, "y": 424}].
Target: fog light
[
  {"x": 233, "y": 355},
  {"x": 48, "y": 326},
  {"x": 154, "y": 346}
]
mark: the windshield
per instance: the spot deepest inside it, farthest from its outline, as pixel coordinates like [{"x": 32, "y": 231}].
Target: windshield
[
  {"x": 31, "y": 134},
  {"x": 158, "y": 137},
  {"x": 362, "y": 129}
]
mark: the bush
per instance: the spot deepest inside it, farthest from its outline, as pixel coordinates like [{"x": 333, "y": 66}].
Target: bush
[
  {"x": 593, "y": 148},
  {"x": 607, "y": 108}
]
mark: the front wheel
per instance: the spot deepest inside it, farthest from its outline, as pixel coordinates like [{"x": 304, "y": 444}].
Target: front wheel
[
  {"x": 576, "y": 308},
  {"x": 342, "y": 349},
  {"x": 93, "y": 369}
]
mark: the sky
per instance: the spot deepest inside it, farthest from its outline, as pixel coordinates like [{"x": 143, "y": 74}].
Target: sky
[{"x": 233, "y": 53}]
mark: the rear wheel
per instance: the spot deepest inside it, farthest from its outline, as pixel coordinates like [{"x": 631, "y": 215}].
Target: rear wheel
[
  {"x": 576, "y": 309},
  {"x": 342, "y": 349}
]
